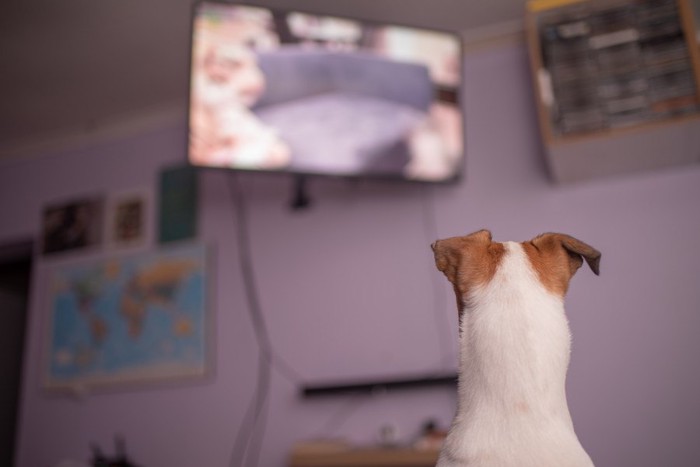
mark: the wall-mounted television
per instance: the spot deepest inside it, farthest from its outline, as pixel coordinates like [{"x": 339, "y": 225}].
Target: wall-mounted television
[{"x": 288, "y": 91}]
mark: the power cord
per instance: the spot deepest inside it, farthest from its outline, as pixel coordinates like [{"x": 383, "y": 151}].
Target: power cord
[
  {"x": 342, "y": 415},
  {"x": 251, "y": 432}
]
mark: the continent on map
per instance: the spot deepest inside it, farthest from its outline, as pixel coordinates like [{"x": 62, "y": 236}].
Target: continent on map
[{"x": 154, "y": 285}]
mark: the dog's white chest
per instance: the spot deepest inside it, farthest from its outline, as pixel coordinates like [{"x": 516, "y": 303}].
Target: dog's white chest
[{"x": 514, "y": 354}]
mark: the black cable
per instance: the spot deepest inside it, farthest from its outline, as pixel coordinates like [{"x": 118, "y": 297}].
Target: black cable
[
  {"x": 254, "y": 411},
  {"x": 442, "y": 325},
  {"x": 255, "y": 418},
  {"x": 241, "y": 444},
  {"x": 257, "y": 429},
  {"x": 342, "y": 415},
  {"x": 249, "y": 438}
]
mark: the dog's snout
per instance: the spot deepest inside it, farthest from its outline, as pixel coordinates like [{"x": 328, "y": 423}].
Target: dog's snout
[{"x": 434, "y": 245}]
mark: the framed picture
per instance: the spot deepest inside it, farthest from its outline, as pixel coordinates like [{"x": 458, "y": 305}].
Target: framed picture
[
  {"x": 128, "y": 217},
  {"x": 129, "y": 319},
  {"x": 72, "y": 225}
]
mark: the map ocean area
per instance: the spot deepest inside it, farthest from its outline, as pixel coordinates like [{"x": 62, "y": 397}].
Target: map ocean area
[{"x": 129, "y": 319}]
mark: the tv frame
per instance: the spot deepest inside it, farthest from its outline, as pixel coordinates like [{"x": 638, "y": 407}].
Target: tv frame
[{"x": 383, "y": 177}]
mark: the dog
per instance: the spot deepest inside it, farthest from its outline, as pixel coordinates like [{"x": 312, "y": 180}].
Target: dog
[{"x": 514, "y": 350}]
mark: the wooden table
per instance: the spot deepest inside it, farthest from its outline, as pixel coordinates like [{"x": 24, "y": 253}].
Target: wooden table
[{"x": 366, "y": 457}]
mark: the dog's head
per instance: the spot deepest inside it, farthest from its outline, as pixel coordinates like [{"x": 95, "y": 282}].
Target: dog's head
[{"x": 472, "y": 260}]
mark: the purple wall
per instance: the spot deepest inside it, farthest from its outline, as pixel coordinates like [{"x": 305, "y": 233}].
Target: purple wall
[{"x": 347, "y": 289}]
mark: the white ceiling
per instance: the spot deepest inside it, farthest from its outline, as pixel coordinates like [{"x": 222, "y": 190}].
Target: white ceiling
[{"x": 70, "y": 67}]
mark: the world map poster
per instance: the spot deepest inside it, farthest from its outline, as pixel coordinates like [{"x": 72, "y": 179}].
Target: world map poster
[{"x": 129, "y": 319}]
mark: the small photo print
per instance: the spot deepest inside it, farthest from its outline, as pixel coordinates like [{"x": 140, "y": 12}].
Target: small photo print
[
  {"x": 73, "y": 225},
  {"x": 128, "y": 219}
]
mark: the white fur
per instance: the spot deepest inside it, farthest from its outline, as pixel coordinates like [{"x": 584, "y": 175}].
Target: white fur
[{"x": 514, "y": 354}]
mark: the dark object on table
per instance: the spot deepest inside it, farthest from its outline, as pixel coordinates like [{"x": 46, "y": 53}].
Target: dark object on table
[{"x": 119, "y": 460}]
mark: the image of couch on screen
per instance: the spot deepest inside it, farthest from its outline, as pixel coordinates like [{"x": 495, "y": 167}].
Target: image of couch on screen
[{"x": 343, "y": 113}]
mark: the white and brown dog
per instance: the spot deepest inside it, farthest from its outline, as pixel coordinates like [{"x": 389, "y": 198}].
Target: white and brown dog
[{"x": 514, "y": 350}]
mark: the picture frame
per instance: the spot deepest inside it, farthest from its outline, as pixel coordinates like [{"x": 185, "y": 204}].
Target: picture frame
[
  {"x": 75, "y": 224},
  {"x": 128, "y": 220}
]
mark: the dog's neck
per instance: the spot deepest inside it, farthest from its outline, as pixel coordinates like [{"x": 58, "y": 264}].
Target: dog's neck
[{"x": 514, "y": 349}]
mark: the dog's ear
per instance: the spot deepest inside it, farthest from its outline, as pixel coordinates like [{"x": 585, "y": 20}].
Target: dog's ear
[
  {"x": 450, "y": 253},
  {"x": 467, "y": 261},
  {"x": 556, "y": 257},
  {"x": 577, "y": 249}
]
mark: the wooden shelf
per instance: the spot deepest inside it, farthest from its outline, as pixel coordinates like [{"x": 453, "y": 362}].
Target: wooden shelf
[
  {"x": 370, "y": 457},
  {"x": 625, "y": 131},
  {"x": 597, "y": 118}
]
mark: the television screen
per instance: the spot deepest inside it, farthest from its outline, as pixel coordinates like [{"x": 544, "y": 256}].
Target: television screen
[{"x": 287, "y": 91}]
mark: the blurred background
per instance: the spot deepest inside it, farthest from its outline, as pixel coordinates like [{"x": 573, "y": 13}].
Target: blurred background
[{"x": 580, "y": 117}]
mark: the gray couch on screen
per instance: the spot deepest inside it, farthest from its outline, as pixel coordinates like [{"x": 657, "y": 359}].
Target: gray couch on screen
[{"x": 343, "y": 113}]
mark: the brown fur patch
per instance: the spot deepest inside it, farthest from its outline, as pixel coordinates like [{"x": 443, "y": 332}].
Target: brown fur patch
[
  {"x": 468, "y": 262},
  {"x": 556, "y": 258},
  {"x": 522, "y": 407}
]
